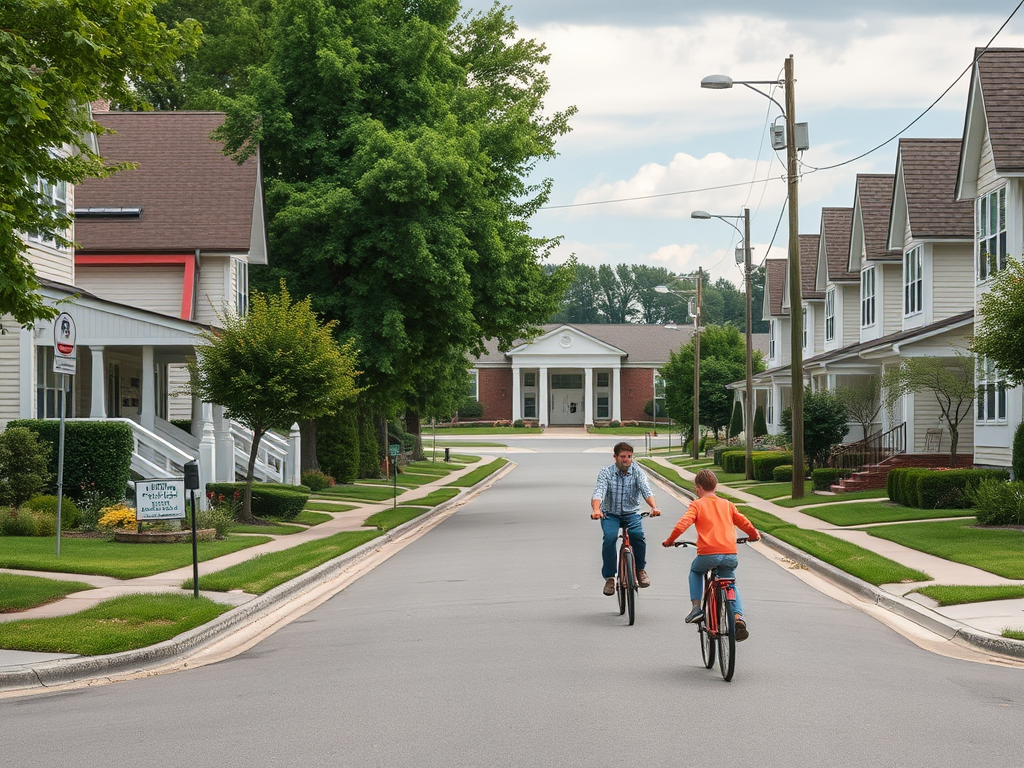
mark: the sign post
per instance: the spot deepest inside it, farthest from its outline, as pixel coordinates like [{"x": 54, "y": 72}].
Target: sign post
[
  {"x": 192, "y": 484},
  {"x": 64, "y": 360},
  {"x": 393, "y": 450}
]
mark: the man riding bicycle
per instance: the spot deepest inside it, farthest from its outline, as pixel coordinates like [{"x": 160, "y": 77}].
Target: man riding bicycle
[{"x": 616, "y": 503}]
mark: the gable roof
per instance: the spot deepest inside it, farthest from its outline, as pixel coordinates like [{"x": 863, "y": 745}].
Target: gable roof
[
  {"x": 926, "y": 172},
  {"x": 809, "y": 266},
  {"x": 191, "y": 195},
  {"x": 1001, "y": 76},
  {"x": 774, "y": 286},
  {"x": 836, "y": 228},
  {"x": 874, "y": 199}
]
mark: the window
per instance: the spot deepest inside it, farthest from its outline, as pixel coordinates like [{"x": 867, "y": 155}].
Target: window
[
  {"x": 473, "y": 391},
  {"x": 990, "y": 233},
  {"x": 48, "y": 387},
  {"x": 991, "y": 391},
  {"x": 867, "y": 297},
  {"x": 530, "y": 406},
  {"x": 530, "y": 379},
  {"x": 803, "y": 327},
  {"x": 602, "y": 378},
  {"x": 567, "y": 381},
  {"x": 241, "y": 287},
  {"x": 771, "y": 340},
  {"x": 913, "y": 281},
  {"x": 55, "y": 195},
  {"x": 830, "y": 314},
  {"x": 602, "y": 407}
]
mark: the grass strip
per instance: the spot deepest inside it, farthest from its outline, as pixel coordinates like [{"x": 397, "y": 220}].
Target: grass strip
[
  {"x": 432, "y": 499},
  {"x": 490, "y": 431},
  {"x": 478, "y": 474},
  {"x": 669, "y": 474},
  {"x": 19, "y": 593},
  {"x": 274, "y": 529},
  {"x": 109, "y": 558},
  {"x": 264, "y": 572},
  {"x": 1014, "y": 634},
  {"x": 306, "y": 517},
  {"x": 120, "y": 624},
  {"x": 625, "y": 431},
  {"x": 867, "y": 512},
  {"x": 856, "y": 561},
  {"x": 429, "y": 467},
  {"x": 954, "y": 594},
  {"x": 325, "y": 506},
  {"x": 769, "y": 491},
  {"x": 463, "y": 458},
  {"x": 763, "y": 521},
  {"x": 996, "y": 550},
  {"x": 813, "y": 498},
  {"x": 392, "y": 518},
  {"x": 358, "y": 492}
]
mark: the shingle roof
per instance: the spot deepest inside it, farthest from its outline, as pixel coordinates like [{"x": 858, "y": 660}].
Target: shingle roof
[
  {"x": 775, "y": 282},
  {"x": 1001, "y": 72},
  {"x": 836, "y": 228},
  {"x": 809, "y": 266},
  {"x": 929, "y": 177},
  {"x": 643, "y": 344},
  {"x": 874, "y": 191},
  {"x": 192, "y": 195}
]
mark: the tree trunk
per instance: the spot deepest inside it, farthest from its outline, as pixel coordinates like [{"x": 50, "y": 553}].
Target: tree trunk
[
  {"x": 412, "y": 426},
  {"x": 954, "y": 438},
  {"x": 246, "y": 516},
  {"x": 308, "y": 461}
]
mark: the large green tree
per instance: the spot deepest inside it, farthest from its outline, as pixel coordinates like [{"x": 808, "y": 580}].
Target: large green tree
[
  {"x": 57, "y": 56},
  {"x": 273, "y": 367},
  {"x": 997, "y": 329}
]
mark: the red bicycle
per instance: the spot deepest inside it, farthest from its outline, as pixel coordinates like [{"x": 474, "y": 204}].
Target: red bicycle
[
  {"x": 718, "y": 627},
  {"x": 626, "y": 582}
]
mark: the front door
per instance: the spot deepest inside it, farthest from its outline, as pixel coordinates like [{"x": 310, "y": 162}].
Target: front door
[{"x": 566, "y": 398}]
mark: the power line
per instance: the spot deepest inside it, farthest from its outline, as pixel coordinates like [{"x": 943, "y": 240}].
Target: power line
[{"x": 664, "y": 194}]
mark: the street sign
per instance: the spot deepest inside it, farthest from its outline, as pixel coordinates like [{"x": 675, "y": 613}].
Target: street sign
[
  {"x": 64, "y": 349},
  {"x": 394, "y": 449},
  {"x": 160, "y": 499}
]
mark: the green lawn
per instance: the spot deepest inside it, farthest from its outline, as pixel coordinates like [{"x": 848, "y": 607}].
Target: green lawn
[
  {"x": 323, "y": 506},
  {"x": 432, "y": 499},
  {"x": 463, "y": 458},
  {"x": 108, "y": 558},
  {"x": 996, "y": 550},
  {"x": 392, "y": 518},
  {"x": 867, "y": 512},
  {"x": 406, "y": 480},
  {"x": 815, "y": 498},
  {"x": 120, "y": 624},
  {"x": 276, "y": 529},
  {"x": 438, "y": 468},
  {"x": 1014, "y": 634},
  {"x": 486, "y": 431},
  {"x": 624, "y": 431},
  {"x": 358, "y": 492},
  {"x": 669, "y": 474},
  {"x": 478, "y": 474},
  {"x": 307, "y": 517},
  {"x": 958, "y": 595},
  {"x": 264, "y": 572},
  {"x": 19, "y": 593},
  {"x": 769, "y": 491},
  {"x": 763, "y": 521}
]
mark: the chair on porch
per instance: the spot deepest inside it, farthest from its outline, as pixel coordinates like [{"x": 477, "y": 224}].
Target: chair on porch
[{"x": 933, "y": 440}]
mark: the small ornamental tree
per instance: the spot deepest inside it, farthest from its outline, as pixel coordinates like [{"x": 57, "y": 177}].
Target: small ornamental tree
[
  {"x": 23, "y": 465},
  {"x": 863, "y": 400},
  {"x": 824, "y": 425},
  {"x": 1017, "y": 460},
  {"x": 760, "y": 425},
  {"x": 736, "y": 425},
  {"x": 273, "y": 367},
  {"x": 1000, "y": 318}
]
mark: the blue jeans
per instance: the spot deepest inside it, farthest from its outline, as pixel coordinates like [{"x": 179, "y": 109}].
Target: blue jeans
[
  {"x": 610, "y": 526},
  {"x": 726, "y": 565}
]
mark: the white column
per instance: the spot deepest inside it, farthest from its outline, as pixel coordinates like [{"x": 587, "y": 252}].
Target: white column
[
  {"x": 615, "y": 380},
  {"x": 294, "y": 468},
  {"x": 542, "y": 396},
  {"x": 207, "y": 452},
  {"x": 225, "y": 446},
  {"x": 98, "y": 409},
  {"x": 588, "y": 396},
  {"x": 147, "y": 415},
  {"x": 517, "y": 393}
]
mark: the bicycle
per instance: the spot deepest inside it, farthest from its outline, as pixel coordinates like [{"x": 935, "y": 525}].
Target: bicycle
[
  {"x": 718, "y": 626},
  {"x": 626, "y": 583}
]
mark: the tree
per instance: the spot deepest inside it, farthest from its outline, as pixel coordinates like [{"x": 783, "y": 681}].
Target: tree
[
  {"x": 863, "y": 400},
  {"x": 824, "y": 425},
  {"x": 616, "y": 294},
  {"x": 56, "y": 57},
  {"x": 999, "y": 320},
  {"x": 24, "y": 462},
  {"x": 736, "y": 425},
  {"x": 273, "y": 367},
  {"x": 760, "y": 425},
  {"x": 949, "y": 379},
  {"x": 654, "y": 307},
  {"x": 579, "y": 303}
]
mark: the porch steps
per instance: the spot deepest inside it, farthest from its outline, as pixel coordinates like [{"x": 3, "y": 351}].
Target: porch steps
[{"x": 876, "y": 475}]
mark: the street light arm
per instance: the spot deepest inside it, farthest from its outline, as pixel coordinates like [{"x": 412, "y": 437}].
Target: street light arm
[{"x": 758, "y": 90}]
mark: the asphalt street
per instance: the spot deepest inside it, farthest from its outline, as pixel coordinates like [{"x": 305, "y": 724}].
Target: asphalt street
[{"x": 487, "y": 642}]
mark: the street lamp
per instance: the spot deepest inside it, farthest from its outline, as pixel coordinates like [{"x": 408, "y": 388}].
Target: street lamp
[
  {"x": 696, "y": 357},
  {"x": 720, "y": 82},
  {"x": 749, "y": 409}
]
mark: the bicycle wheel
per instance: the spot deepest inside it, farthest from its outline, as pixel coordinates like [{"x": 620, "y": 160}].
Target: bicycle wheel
[
  {"x": 621, "y": 582},
  {"x": 631, "y": 586},
  {"x": 707, "y": 642},
  {"x": 726, "y": 636}
]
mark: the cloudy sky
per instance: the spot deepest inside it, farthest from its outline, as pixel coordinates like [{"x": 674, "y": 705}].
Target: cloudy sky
[{"x": 645, "y": 127}]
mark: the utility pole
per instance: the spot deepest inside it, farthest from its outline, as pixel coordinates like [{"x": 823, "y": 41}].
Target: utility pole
[
  {"x": 696, "y": 369},
  {"x": 796, "y": 299},
  {"x": 749, "y": 409}
]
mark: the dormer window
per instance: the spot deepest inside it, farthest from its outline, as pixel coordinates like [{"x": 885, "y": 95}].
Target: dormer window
[
  {"x": 771, "y": 340},
  {"x": 990, "y": 233},
  {"x": 913, "y": 281},
  {"x": 867, "y": 297},
  {"x": 830, "y": 313}
]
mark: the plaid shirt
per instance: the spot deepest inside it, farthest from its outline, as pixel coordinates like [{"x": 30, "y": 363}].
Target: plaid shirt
[{"x": 620, "y": 494}]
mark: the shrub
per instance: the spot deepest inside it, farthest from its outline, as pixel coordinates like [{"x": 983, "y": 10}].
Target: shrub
[
  {"x": 69, "y": 513},
  {"x": 218, "y": 517},
  {"x": 14, "y": 524},
  {"x": 1017, "y": 462},
  {"x": 337, "y": 445},
  {"x": 519, "y": 424},
  {"x": 369, "y": 449},
  {"x": 97, "y": 455},
  {"x": 24, "y": 463},
  {"x": 783, "y": 473},
  {"x": 824, "y": 478},
  {"x": 950, "y": 489},
  {"x": 118, "y": 516},
  {"x": 760, "y": 425},
  {"x": 649, "y": 409},
  {"x": 185, "y": 424},
  {"x": 46, "y": 525},
  {"x": 316, "y": 480},
  {"x": 734, "y": 461},
  {"x": 998, "y": 502},
  {"x": 614, "y": 424},
  {"x": 268, "y": 499},
  {"x": 765, "y": 463},
  {"x": 471, "y": 409},
  {"x": 736, "y": 424}
]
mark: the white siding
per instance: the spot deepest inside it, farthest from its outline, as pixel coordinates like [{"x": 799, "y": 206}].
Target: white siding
[
  {"x": 214, "y": 294},
  {"x": 817, "y": 313},
  {"x": 987, "y": 178},
  {"x": 51, "y": 263},
  {"x": 928, "y": 415},
  {"x": 10, "y": 369},
  {"x": 889, "y": 299},
  {"x": 155, "y": 287},
  {"x": 180, "y": 403},
  {"x": 849, "y": 317},
  {"x": 952, "y": 279}
]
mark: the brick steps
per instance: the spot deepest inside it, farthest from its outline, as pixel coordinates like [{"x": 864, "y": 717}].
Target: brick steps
[{"x": 875, "y": 476}]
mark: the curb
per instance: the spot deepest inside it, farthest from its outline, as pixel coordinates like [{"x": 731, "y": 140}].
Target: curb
[{"x": 82, "y": 669}]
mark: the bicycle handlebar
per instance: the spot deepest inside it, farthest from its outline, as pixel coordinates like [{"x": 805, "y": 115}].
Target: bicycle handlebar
[
  {"x": 741, "y": 540},
  {"x": 642, "y": 514}
]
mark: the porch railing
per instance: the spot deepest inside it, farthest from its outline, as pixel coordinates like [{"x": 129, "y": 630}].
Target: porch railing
[
  {"x": 271, "y": 458},
  {"x": 874, "y": 449}
]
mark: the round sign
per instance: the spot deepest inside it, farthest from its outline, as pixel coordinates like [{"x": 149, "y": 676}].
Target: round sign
[{"x": 64, "y": 335}]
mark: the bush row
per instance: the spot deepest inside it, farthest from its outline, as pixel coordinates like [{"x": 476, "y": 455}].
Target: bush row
[
  {"x": 268, "y": 499},
  {"x": 825, "y": 477},
  {"x": 924, "y": 488}
]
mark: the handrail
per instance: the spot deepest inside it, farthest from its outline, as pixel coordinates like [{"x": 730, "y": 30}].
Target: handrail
[{"x": 874, "y": 449}]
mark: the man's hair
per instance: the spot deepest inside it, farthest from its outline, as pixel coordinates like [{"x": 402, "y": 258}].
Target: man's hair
[
  {"x": 620, "y": 447},
  {"x": 706, "y": 479}
]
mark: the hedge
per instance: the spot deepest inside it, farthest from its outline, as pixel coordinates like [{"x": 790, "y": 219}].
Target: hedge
[
  {"x": 734, "y": 461},
  {"x": 923, "y": 488},
  {"x": 765, "y": 463},
  {"x": 69, "y": 513},
  {"x": 825, "y": 477},
  {"x": 783, "y": 473},
  {"x": 268, "y": 499},
  {"x": 97, "y": 455}
]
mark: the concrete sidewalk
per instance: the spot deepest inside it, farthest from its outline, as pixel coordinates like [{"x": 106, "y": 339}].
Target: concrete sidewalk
[{"x": 987, "y": 619}]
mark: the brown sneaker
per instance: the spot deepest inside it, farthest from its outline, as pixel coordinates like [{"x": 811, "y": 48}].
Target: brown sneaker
[
  {"x": 609, "y": 586},
  {"x": 741, "y": 630},
  {"x": 643, "y": 579}
]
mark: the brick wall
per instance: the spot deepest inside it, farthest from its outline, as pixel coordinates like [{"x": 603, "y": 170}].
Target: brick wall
[
  {"x": 636, "y": 389},
  {"x": 495, "y": 393}
]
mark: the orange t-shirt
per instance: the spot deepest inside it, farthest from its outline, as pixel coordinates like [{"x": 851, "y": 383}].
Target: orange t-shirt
[{"x": 716, "y": 520}]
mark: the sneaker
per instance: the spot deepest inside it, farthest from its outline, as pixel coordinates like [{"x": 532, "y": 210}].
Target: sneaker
[
  {"x": 643, "y": 579},
  {"x": 609, "y": 586},
  {"x": 697, "y": 614},
  {"x": 741, "y": 630}
]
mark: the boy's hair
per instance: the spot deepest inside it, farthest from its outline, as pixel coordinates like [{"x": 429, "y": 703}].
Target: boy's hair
[
  {"x": 620, "y": 447},
  {"x": 706, "y": 479}
]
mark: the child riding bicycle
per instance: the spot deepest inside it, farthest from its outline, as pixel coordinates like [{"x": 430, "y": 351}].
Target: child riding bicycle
[{"x": 715, "y": 519}]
